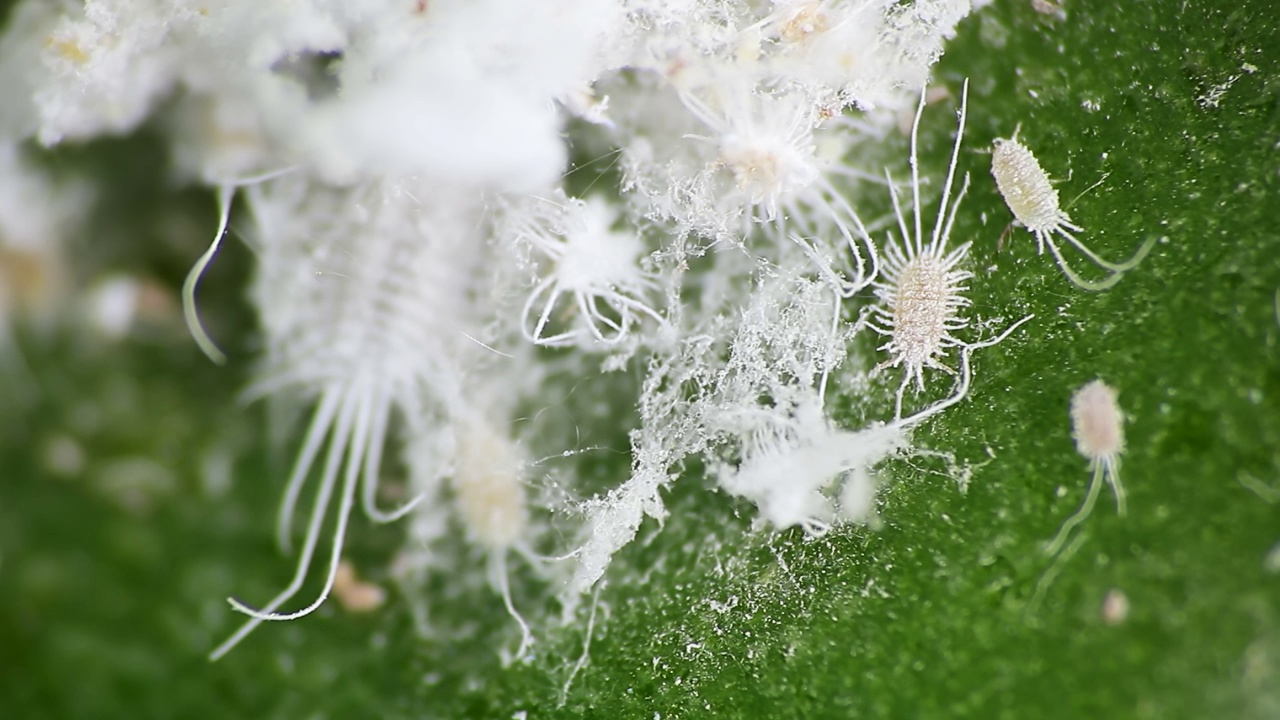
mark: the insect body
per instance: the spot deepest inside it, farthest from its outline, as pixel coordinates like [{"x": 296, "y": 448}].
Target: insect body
[
  {"x": 1098, "y": 428},
  {"x": 1034, "y": 202},
  {"x": 921, "y": 285},
  {"x": 362, "y": 321}
]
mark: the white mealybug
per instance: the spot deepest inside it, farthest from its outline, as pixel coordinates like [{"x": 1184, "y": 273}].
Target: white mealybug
[
  {"x": 591, "y": 262},
  {"x": 921, "y": 284},
  {"x": 1033, "y": 200},
  {"x": 783, "y": 169},
  {"x": 1098, "y": 428},
  {"x": 363, "y": 321}
]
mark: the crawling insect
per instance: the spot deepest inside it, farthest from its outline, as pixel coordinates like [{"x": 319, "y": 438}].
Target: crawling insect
[
  {"x": 1031, "y": 197},
  {"x": 1098, "y": 428},
  {"x": 921, "y": 289},
  {"x": 921, "y": 286}
]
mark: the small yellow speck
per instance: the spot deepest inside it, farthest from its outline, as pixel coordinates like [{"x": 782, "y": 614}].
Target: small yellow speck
[
  {"x": 354, "y": 594},
  {"x": 69, "y": 49}
]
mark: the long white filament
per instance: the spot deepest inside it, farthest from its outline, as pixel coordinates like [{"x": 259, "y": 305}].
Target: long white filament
[
  {"x": 226, "y": 191},
  {"x": 205, "y": 343},
  {"x": 966, "y": 376},
  {"x": 349, "y": 440}
]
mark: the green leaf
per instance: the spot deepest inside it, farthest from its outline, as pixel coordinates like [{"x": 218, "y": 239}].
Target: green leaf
[{"x": 114, "y": 575}]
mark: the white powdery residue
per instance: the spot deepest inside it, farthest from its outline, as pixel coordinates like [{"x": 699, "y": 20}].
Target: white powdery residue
[
  {"x": 705, "y": 400},
  {"x": 26, "y": 34},
  {"x": 790, "y": 466},
  {"x": 675, "y": 193},
  {"x": 913, "y": 38},
  {"x": 836, "y": 52},
  {"x": 465, "y": 92},
  {"x": 108, "y": 64},
  {"x": 258, "y": 36},
  {"x": 351, "y": 90},
  {"x": 219, "y": 138},
  {"x": 674, "y": 37},
  {"x": 612, "y": 522},
  {"x": 789, "y": 452},
  {"x": 834, "y": 48},
  {"x": 249, "y": 73},
  {"x": 666, "y": 437}
]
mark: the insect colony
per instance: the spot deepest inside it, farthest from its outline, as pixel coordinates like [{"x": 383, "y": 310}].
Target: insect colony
[{"x": 425, "y": 272}]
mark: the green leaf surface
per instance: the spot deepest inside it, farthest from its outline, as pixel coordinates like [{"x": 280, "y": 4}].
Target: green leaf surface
[{"x": 113, "y": 576}]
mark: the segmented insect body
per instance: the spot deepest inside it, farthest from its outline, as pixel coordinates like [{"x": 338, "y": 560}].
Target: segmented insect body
[
  {"x": 922, "y": 292},
  {"x": 362, "y": 294},
  {"x": 921, "y": 285},
  {"x": 1031, "y": 197},
  {"x": 1097, "y": 424}
]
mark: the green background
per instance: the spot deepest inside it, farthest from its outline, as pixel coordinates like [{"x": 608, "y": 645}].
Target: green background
[{"x": 112, "y": 580}]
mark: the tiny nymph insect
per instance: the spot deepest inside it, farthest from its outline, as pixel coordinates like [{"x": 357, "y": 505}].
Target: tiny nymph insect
[
  {"x": 1031, "y": 197},
  {"x": 1098, "y": 428}
]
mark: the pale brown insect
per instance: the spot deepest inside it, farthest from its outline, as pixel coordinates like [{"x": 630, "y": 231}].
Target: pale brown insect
[
  {"x": 1033, "y": 200},
  {"x": 1098, "y": 428},
  {"x": 921, "y": 286}
]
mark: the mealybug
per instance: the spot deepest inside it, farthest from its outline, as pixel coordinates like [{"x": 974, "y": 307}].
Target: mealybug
[
  {"x": 362, "y": 321},
  {"x": 589, "y": 262},
  {"x": 921, "y": 286},
  {"x": 1098, "y": 428},
  {"x": 1033, "y": 200}
]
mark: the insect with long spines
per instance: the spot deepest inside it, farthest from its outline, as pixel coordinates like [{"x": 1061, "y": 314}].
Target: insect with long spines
[{"x": 1031, "y": 197}]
